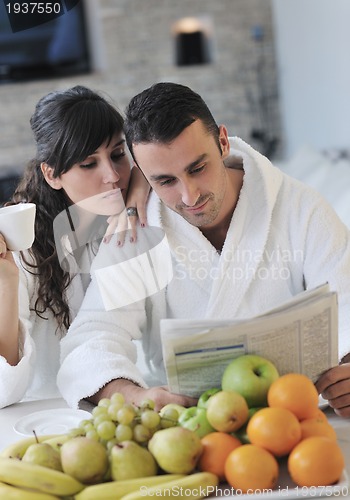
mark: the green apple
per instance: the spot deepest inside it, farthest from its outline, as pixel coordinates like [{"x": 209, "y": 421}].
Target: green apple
[
  {"x": 250, "y": 375},
  {"x": 204, "y": 397},
  {"x": 227, "y": 411},
  {"x": 195, "y": 419}
]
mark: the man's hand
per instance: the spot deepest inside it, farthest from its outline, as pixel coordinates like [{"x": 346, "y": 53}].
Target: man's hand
[
  {"x": 334, "y": 385},
  {"x": 161, "y": 397},
  {"x": 136, "y": 395}
]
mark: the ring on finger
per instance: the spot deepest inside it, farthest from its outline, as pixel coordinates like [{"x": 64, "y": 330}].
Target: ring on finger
[{"x": 131, "y": 211}]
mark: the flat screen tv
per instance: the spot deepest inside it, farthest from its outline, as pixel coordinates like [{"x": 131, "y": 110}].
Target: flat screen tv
[{"x": 39, "y": 45}]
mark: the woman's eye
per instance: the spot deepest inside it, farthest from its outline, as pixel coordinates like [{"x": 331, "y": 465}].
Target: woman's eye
[
  {"x": 118, "y": 155},
  {"x": 88, "y": 165}
]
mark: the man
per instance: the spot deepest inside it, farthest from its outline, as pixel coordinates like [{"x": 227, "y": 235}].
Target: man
[{"x": 225, "y": 208}]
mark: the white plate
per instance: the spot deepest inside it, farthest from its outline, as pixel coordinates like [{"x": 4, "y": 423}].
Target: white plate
[
  {"x": 287, "y": 489},
  {"x": 57, "y": 421}
]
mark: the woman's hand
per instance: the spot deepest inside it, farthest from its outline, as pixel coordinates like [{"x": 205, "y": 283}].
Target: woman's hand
[
  {"x": 334, "y": 385},
  {"x": 136, "y": 202},
  {"x": 9, "y": 282},
  {"x": 117, "y": 224},
  {"x": 137, "y": 197},
  {"x": 8, "y": 269}
]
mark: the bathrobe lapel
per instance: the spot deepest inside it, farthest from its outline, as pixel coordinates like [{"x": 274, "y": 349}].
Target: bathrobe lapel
[{"x": 247, "y": 235}]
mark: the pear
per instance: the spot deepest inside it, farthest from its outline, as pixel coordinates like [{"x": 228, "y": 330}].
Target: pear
[
  {"x": 43, "y": 454},
  {"x": 176, "y": 449},
  {"x": 84, "y": 459},
  {"x": 129, "y": 460}
]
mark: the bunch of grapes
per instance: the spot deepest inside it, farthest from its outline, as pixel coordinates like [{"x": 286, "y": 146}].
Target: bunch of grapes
[{"x": 113, "y": 421}]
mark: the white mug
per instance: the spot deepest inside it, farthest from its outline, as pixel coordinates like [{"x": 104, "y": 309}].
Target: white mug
[{"x": 17, "y": 225}]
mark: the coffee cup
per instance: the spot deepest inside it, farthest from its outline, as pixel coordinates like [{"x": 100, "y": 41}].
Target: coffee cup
[{"x": 17, "y": 225}]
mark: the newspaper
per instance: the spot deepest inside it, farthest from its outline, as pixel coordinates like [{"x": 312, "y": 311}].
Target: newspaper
[{"x": 299, "y": 336}]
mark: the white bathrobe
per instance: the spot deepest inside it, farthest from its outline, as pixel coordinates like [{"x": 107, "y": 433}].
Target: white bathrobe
[{"x": 283, "y": 239}]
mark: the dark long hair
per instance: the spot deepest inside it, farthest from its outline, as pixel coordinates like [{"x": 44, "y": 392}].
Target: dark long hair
[{"x": 68, "y": 126}]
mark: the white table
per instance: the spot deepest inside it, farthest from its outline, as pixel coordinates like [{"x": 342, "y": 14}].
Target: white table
[{"x": 10, "y": 414}]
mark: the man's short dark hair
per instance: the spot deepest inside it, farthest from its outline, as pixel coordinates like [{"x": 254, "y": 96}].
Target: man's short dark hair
[{"x": 160, "y": 113}]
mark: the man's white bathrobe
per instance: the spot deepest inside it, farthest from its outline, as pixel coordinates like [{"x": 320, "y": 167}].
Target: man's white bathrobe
[{"x": 283, "y": 239}]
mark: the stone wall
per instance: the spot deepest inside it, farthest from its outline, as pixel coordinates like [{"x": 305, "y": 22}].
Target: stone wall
[{"x": 137, "y": 49}]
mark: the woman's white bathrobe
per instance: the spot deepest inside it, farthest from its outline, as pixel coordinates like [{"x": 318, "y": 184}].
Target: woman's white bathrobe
[
  {"x": 34, "y": 377},
  {"x": 283, "y": 238}
]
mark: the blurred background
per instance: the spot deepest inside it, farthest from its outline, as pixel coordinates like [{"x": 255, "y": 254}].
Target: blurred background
[{"x": 275, "y": 72}]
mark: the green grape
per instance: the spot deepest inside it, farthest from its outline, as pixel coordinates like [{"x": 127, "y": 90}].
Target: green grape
[
  {"x": 171, "y": 414},
  {"x": 134, "y": 422},
  {"x": 167, "y": 422},
  {"x": 123, "y": 433},
  {"x": 113, "y": 410},
  {"x": 111, "y": 443},
  {"x": 126, "y": 414},
  {"x": 101, "y": 418},
  {"x": 138, "y": 412},
  {"x": 106, "y": 430},
  {"x": 104, "y": 442},
  {"x": 104, "y": 402},
  {"x": 118, "y": 398},
  {"x": 86, "y": 425},
  {"x": 150, "y": 419},
  {"x": 75, "y": 432},
  {"x": 92, "y": 434},
  {"x": 141, "y": 434},
  {"x": 147, "y": 404},
  {"x": 169, "y": 418},
  {"x": 99, "y": 410},
  {"x": 85, "y": 422}
]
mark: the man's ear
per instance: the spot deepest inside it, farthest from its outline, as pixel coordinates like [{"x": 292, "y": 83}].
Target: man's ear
[
  {"x": 54, "y": 182},
  {"x": 224, "y": 141}
]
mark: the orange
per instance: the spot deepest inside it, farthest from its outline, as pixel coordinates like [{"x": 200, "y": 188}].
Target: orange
[
  {"x": 275, "y": 429},
  {"x": 296, "y": 392},
  {"x": 316, "y": 461},
  {"x": 216, "y": 448},
  {"x": 249, "y": 468},
  {"x": 317, "y": 427},
  {"x": 318, "y": 413}
]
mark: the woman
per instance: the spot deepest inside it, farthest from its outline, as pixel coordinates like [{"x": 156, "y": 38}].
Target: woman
[{"x": 80, "y": 177}]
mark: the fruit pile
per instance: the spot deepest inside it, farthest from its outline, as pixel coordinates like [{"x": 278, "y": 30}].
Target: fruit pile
[
  {"x": 118, "y": 453},
  {"x": 290, "y": 430},
  {"x": 238, "y": 434},
  {"x": 273, "y": 421}
]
